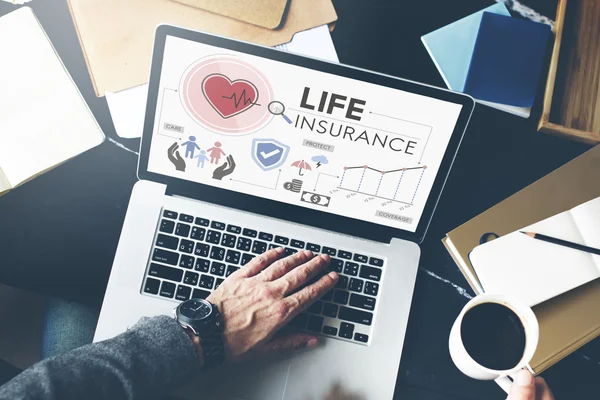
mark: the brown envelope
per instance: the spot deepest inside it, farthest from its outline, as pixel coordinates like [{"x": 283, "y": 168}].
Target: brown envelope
[
  {"x": 117, "y": 35},
  {"x": 266, "y": 13}
]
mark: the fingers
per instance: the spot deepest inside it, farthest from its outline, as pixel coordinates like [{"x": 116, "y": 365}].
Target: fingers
[
  {"x": 259, "y": 263},
  {"x": 523, "y": 387},
  {"x": 285, "y": 265},
  {"x": 300, "y": 276},
  {"x": 231, "y": 161},
  {"x": 173, "y": 147},
  {"x": 542, "y": 390},
  {"x": 308, "y": 295},
  {"x": 289, "y": 342},
  {"x": 178, "y": 156}
]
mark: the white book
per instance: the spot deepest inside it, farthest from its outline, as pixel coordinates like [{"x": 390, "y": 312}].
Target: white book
[
  {"x": 44, "y": 119},
  {"x": 535, "y": 271}
]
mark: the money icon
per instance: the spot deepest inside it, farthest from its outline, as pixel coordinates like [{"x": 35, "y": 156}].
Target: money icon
[
  {"x": 315, "y": 198},
  {"x": 294, "y": 186}
]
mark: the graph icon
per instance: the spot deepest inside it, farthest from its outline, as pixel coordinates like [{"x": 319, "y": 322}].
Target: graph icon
[{"x": 400, "y": 185}]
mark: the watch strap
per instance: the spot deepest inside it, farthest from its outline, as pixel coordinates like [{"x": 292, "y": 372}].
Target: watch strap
[{"x": 213, "y": 349}]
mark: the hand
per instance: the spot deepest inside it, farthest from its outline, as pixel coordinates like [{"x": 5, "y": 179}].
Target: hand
[
  {"x": 525, "y": 387},
  {"x": 175, "y": 157},
  {"x": 264, "y": 295},
  {"x": 225, "y": 169}
]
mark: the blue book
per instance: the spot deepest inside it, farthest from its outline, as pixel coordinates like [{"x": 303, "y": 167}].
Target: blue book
[
  {"x": 507, "y": 60},
  {"x": 451, "y": 46}
]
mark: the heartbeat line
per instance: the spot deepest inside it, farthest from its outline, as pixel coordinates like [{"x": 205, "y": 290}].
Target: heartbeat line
[{"x": 243, "y": 98}]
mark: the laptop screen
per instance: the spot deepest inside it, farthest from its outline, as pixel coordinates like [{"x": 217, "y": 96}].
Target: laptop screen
[{"x": 297, "y": 135}]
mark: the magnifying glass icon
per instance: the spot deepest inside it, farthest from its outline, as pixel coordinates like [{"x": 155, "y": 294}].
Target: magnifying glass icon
[{"x": 277, "y": 108}]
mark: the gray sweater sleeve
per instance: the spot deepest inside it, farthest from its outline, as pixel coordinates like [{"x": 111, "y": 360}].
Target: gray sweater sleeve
[{"x": 149, "y": 360}]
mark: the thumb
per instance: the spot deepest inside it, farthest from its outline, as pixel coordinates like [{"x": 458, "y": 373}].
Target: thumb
[
  {"x": 294, "y": 341},
  {"x": 523, "y": 387}
]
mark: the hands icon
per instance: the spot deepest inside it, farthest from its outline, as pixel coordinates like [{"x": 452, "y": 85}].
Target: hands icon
[
  {"x": 225, "y": 169},
  {"x": 175, "y": 157}
]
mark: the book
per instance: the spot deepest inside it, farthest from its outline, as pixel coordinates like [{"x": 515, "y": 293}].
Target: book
[
  {"x": 534, "y": 271},
  {"x": 569, "y": 321},
  {"x": 507, "y": 60},
  {"x": 451, "y": 49},
  {"x": 44, "y": 119}
]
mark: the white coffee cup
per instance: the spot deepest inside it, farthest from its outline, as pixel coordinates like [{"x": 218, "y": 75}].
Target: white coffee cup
[{"x": 473, "y": 369}]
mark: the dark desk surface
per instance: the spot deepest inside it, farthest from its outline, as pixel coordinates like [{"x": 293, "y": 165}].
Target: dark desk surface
[{"x": 58, "y": 233}]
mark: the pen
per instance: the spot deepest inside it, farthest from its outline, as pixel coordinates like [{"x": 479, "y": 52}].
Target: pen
[{"x": 561, "y": 242}]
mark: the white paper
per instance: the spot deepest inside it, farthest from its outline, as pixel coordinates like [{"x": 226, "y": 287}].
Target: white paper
[{"x": 127, "y": 107}]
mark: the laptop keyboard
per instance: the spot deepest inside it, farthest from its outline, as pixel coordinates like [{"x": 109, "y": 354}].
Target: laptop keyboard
[{"x": 192, "y": 256}]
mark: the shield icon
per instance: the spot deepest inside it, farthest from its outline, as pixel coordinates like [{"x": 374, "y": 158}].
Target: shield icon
[{"x": 269, "y": 154}]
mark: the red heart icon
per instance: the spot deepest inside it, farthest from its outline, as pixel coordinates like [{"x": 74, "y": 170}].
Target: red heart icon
[{"x": 228, "y": 97}]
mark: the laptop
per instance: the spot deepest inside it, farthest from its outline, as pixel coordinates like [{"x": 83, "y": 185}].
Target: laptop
[{"x": 246, "y": 148}]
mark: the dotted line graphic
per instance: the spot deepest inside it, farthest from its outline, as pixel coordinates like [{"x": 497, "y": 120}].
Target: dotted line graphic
[
  {"x": 361, "y": 179},
  {"x": 379, "y": 184},
  {"x": 421, "y": 177},
  {"x": 401, "y": 176},
  {"x": 343, "y": 175}
]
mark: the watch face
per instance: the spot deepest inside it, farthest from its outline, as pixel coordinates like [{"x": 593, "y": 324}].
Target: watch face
[{"x": 195, "y": 309}]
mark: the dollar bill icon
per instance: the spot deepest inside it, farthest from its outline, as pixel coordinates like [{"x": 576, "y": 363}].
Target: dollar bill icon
[
  {"x": 315, "y": 198},
  {"x": 294, "y": 186}
]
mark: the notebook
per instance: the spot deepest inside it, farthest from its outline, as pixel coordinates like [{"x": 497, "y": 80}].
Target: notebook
[
  {"x": 44, "y": 120},
  {"x": 507, "y": 60},
  {"x": 451, "y": 48}
]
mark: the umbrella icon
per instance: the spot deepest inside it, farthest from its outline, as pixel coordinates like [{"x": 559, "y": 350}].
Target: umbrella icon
[{"x": 302, "y": 165}]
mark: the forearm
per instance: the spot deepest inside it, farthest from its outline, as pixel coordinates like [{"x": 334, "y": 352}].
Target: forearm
[{"x": 150, "y": 359}]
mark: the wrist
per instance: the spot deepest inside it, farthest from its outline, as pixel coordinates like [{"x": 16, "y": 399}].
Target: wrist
[{"x": 197, "y": 346}]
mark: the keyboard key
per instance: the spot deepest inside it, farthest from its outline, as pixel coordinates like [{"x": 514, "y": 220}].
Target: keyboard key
[
  {"x": 218, "y": 283},
  {"x": 213, "y": 237},
  {"x": 328, "y": 296},
  {"x": 201, "y": 221},
  {"x": 273, "y": 246},
  {"x": 342, "y": 282},
  {"x": 168, "y": 242},
  {"x": 336, "y": 265},
  {"x": 234, "y": 229},
  {"x": 244, "y": 244},
  {"x": 340, "y": 297},
  {"x": 315, "y": 323},
  {"x": 344, "y": 254},
  {"x": 186, "y": 246},
  {"x": 315, "y": 248},
  {"x": 299, "y": 322},
  {"x": 246, "y": 258},
  {"x": 330, "y": 330},
  {"x": 249, "y": 232},
  {"x": 186, "y": 218},
  {"x": 228, "y": 240},
  {"x": 230, "y": 270},
  {"x": 217, "y": 225},
  {"x": 183, "y": 293},
  {"x": 351, "y": 268},
  {"x": 370, "y": 273},
  {"x": 186, "y": 262},
  {"x": 359, "y": 337},
  {"x": 151, "y": 286},
  {"x": 346, "y": 330},
  {"x": 378, "y": 262},
  {"x": 217, "y": 253},
  {"x": 329, "y": 250},
  {"x": 167, "y": 289},
  {"x": 217, "y": 268},
  {"x": 200, "y": 294},
  {"x": 353, "y": 315},
  {"x": 167, "y": 226},
  {"x": 364, "y": 302},
  {"x": 371, "y": 288},
  {"x": 169, "y": 214},
  {"x": 201, "y": 249},
  {"x": 289, "y": 251},
  {"x": 265, "y": 236},
  {"x": 182, "y": 229},
  {"x": 299, "y": 244},
  {"x": 282, "y": 240},
  {"x": 198, "y": 233},
  {"x": 233, "y": 257},
  {"x": 316, "y": 307},
  {"x": 259, "y": 247},
  {"x": 360, "y": 258},
  {"x": 165, "y": 256},
  {"x": 356, "y": 285},
  {"x": 330, "y": 310},
  {"x": 206, "y": 282},
  {"x": 190, "y": 278},
  {"x": 202, "y": 265}
]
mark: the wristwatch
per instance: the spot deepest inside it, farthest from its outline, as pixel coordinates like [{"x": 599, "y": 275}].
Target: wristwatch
[{"x": 203, "y": 319}]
